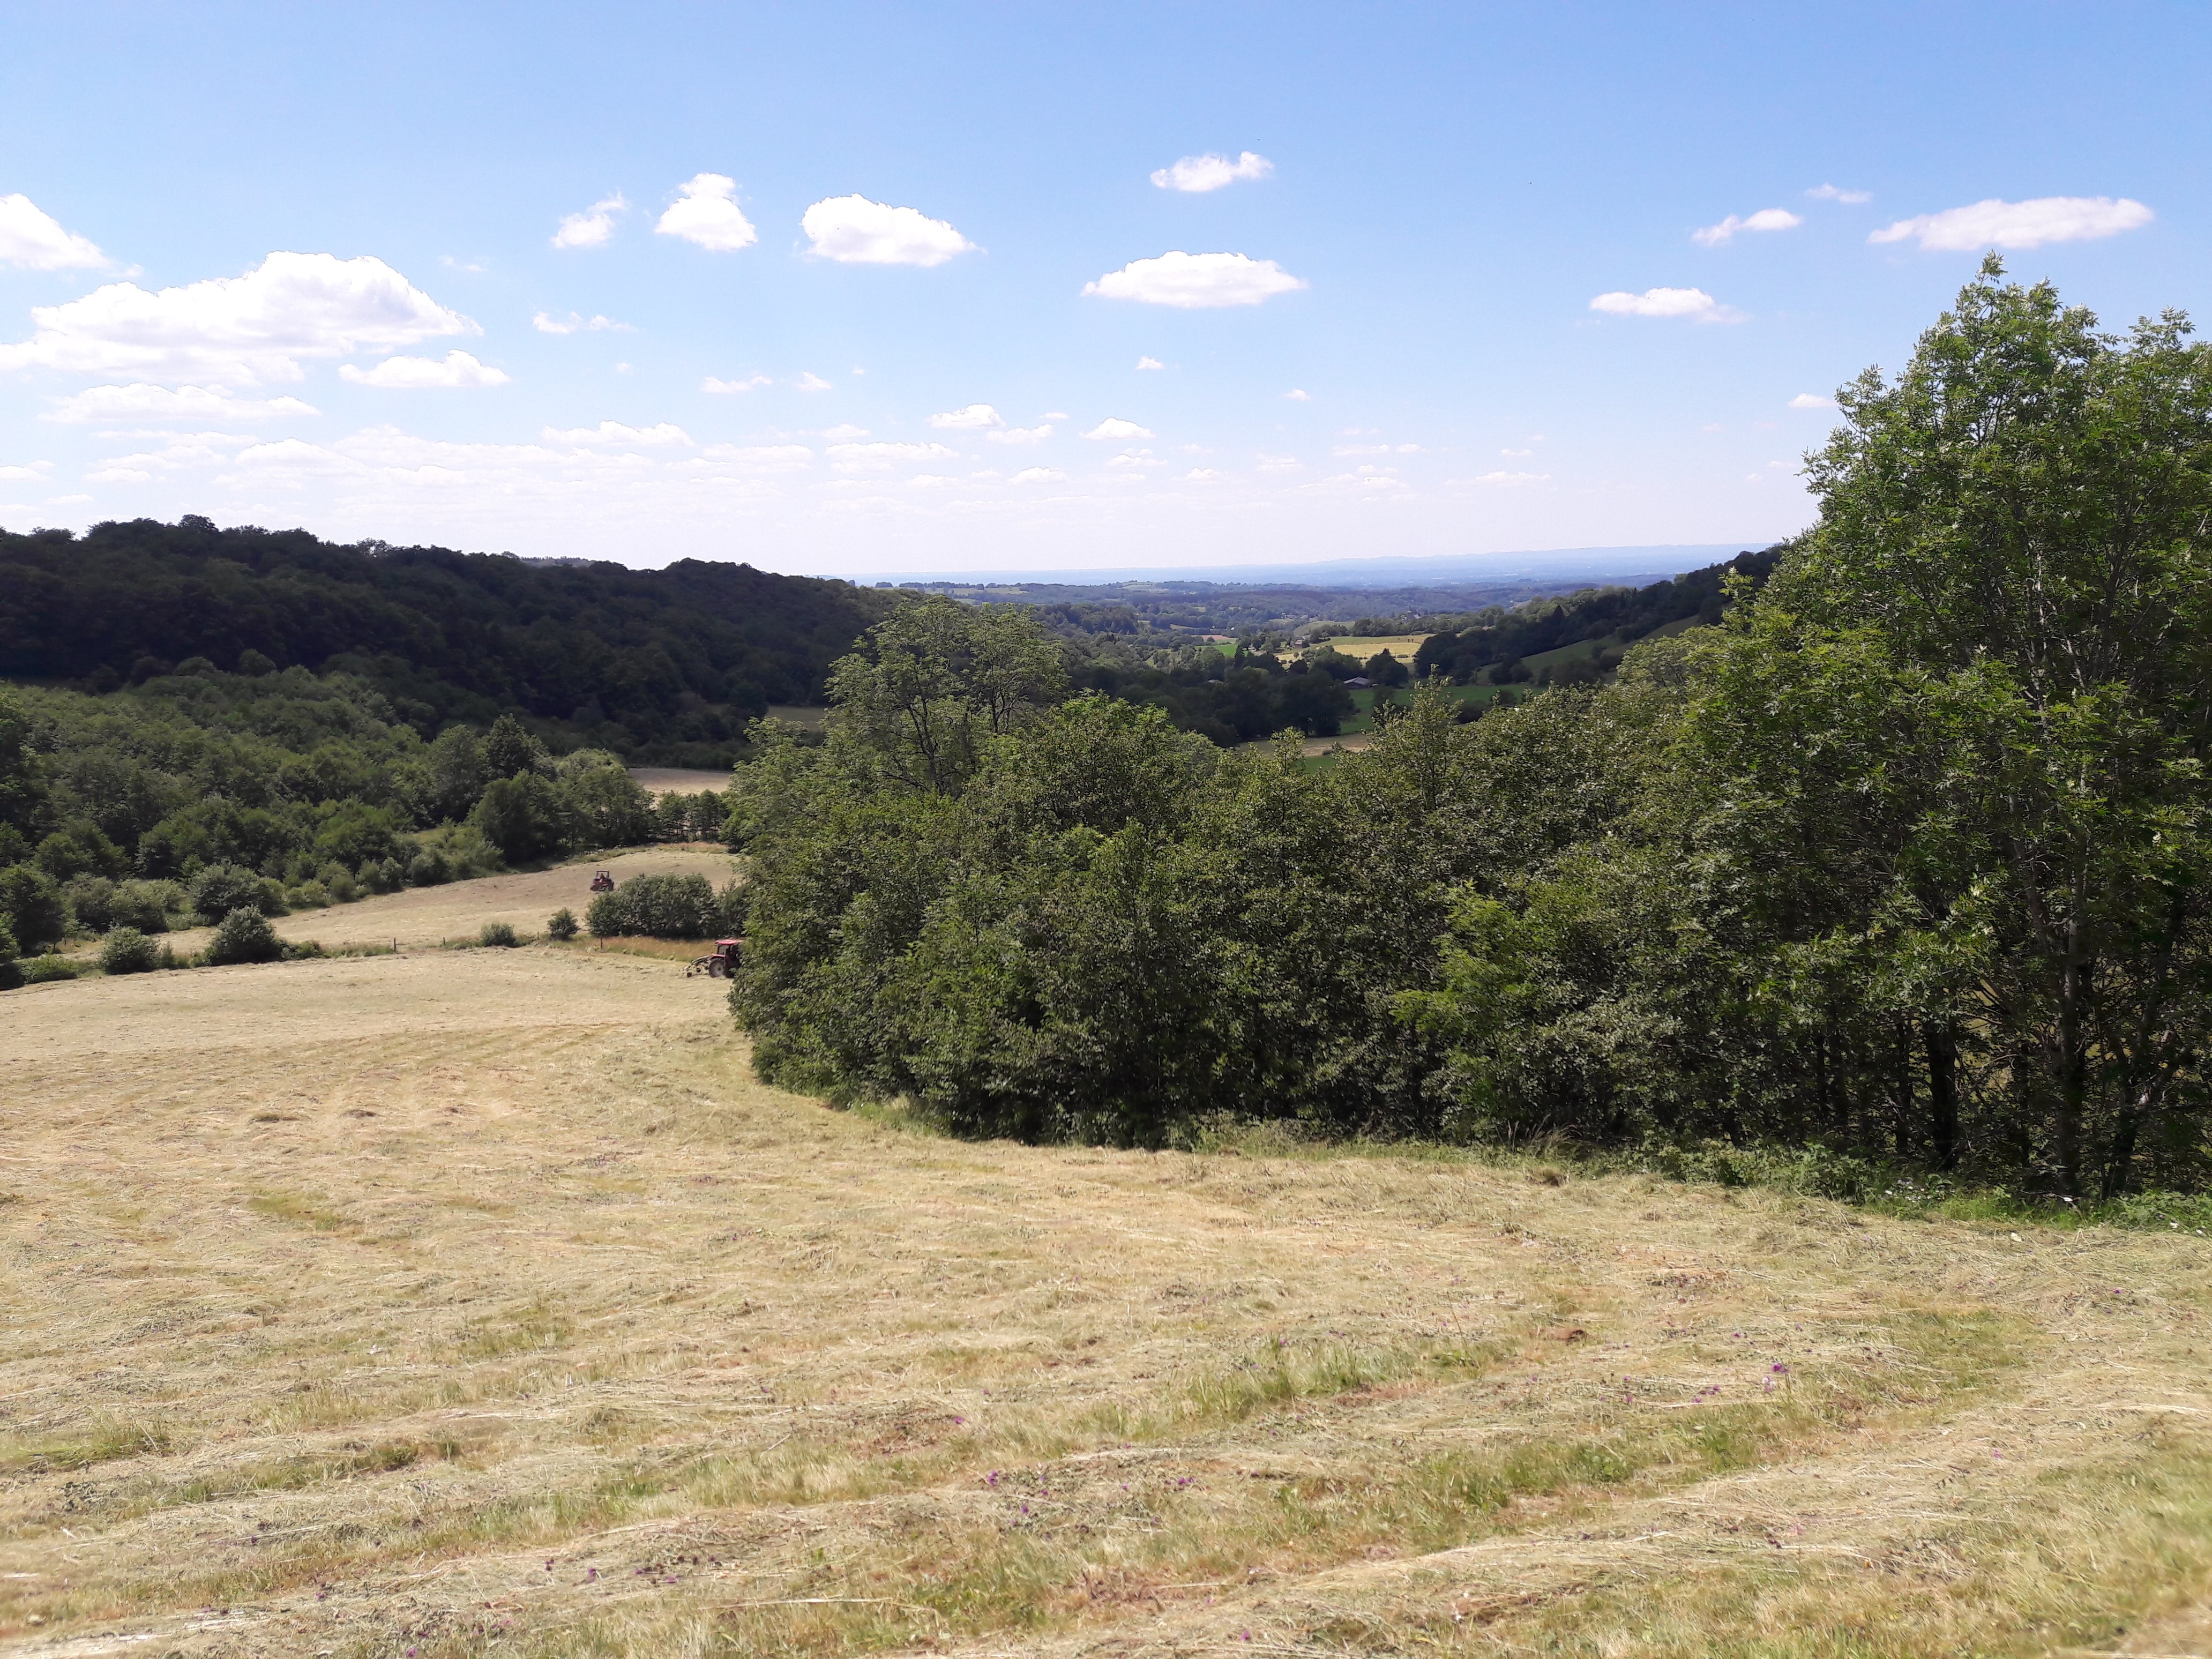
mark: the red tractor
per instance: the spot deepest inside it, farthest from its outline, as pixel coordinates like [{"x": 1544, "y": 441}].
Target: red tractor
[
  {"x": 603, "y": 881},
  {"x": 721, "y": 963}
]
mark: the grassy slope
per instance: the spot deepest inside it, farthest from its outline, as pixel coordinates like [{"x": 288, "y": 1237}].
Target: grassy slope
[{"x": 480, "y": 1302}]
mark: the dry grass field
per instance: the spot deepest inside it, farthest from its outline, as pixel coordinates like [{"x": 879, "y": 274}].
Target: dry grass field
[
  {"x": 480, "y": 1303},
  {"x": 677, "y": 780},
  {"x": 429, "y": 916}
]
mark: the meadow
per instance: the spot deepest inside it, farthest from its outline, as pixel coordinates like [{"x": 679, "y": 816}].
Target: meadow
[{"x": 482, "y": 1302}]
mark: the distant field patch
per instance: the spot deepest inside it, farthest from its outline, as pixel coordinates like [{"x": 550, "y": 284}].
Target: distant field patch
[{"x": 1363, "y": 645}]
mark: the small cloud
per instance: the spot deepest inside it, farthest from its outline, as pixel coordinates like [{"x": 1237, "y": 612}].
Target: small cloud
[
  {"x": 35, "y": 471},
  {"x": 160, "y": 403},
  {"x": 1830, "y": 193},
  {"x": 1361, "y": 449},
  {"x": 457, "y": 369},
  {"x": 1511, "y": 480},
  {"x": 810, "y": 381},
  {"x": 625, "y": 369},
  {"x": 1039, "y": 475},
  {"x": 1994, "y": 223},
  {"x": 1297, "y": 395},
  {"x": 546, "y": 323},
  {"x": 705, "y": 213},
  {"x": 614, "y": 432},
  {"x": 1149, "y": 362},
  {"x": 32, "y": 240},
  {"x": 854, "y": 230},
  {"x": 1710, "y": 426},
  {"x": 1278, "y": 464},
  {"x": 881, "y": 456},
  {"x": 1196, "y": 282},
  {"x": 593, "y": 226},
  {"x": 1664, "y": 302},
  {"x": 1114, "y": 430},
  {"x": 1200, "y": 474},
  {"x": 1811, "y": 400},
  {"x": 750, "y": 383},
  {"x": 1197, "y": 174},
  {"x": 1721, "y": 234},
  {"x": 974, "y": 418},
  {"x": 1411, "y": 449},
  {"x": 845, "y": 433},
  {"x": 1022, "y": 434},
  {"x": 1517, "y": 454}
]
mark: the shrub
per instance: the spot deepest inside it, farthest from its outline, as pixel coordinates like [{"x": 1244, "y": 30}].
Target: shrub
[
  {"x": 31, "y": 906},
  {"x": 496, "y": 935},
  {"x": 91, "y": 902},
  {"x": 521, "y": 815},
  {"x": 221, "y": 889},
  {"x": 10, "y": 975},
  {"x": 40, "y": 971},
  {"x": 561, "y": 925},
  {"x": 658, "y": 907},
  {"x": 145, "y": 905},
  {"x": 382, "y": 875},
  {"x": 429, "y": 868},
  {"x": 127, "y": 951},
  {"x": 244, "y": 936},
  {"x": 307, "y": 896},
  {"x": 338, "y": 881}
]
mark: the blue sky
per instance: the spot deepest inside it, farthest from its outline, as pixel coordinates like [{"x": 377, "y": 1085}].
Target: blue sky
[{"x": 1463, "y": 304}]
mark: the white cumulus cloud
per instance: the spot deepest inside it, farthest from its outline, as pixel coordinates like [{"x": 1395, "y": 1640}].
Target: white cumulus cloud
[
  {"x": 1721, "y": 234},
  {"x": 1511, "y": 480},
  {"x": 614, "y": 432},
  {"x": 1022, "y": 434},
  {"x": 974, "y": 418},
  {"x": 1114, "y": 430},
  {"x": 1198, "y": 173},
  {"x": 244, "y": 329},
  {"x": 593, "y": 226},
  {"x": 1297, "y": 395},
  {"x": 1149, "y": 362},
  {"x": 1661, "y": 302},
  {"x": 881, "y": 456},
  {"x": 706, "y": 211},
  {"x": 34, "y": 473},
  {"x": 855, "y": 231},
  {"x": 1196, "y": 282},
  {"x": 810, "y": 381},
  {"x": 1994, "y": 223},
  {"x": 1830, "y": 193},
  {"x": 750, "y": 383},
  {"x": 160, "y": 403},
  {"x": 545, "y": 322},
  {"x": 1039, "y": 475},
  {"x": 458, "y": 369},
  {"x": 1811, "y": 400},
  {"x": 32, "y": 240}
]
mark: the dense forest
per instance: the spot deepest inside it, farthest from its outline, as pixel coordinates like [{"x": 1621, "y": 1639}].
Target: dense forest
[
  {"x": 663, "y": 666},
  {"x": 1905, "y": 861}
]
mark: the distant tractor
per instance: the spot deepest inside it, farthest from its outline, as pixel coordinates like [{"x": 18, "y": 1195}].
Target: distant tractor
[
  {"x": 603, "y": 881},
  {"x": 721, "y": 963}
]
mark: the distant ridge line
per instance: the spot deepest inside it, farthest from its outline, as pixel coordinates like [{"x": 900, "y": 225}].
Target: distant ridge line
[{"x": 1391, "y": 570}]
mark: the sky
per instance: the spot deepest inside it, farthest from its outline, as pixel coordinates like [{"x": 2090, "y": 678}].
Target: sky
[{"x": 882, "y": 290}]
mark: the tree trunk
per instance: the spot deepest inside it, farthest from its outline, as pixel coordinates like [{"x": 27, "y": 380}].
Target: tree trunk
[{"x": 1943, "y": 1091}]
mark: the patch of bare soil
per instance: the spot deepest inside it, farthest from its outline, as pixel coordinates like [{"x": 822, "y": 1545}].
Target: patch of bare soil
[{"x": 471, "y": 1303}]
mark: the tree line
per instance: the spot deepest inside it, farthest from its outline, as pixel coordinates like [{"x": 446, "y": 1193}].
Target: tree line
[
  {"x": 1905, "y": 856},
  {"x": 662, "y": 666}
]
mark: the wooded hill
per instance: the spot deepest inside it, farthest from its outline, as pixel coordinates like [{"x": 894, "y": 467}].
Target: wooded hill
[
  {"x": 1497, "y": 639},
  {"x": 663, "y": 664}
]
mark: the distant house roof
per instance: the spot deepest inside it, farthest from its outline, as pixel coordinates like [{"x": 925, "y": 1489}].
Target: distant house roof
[{"x": 1359, "y": 679}]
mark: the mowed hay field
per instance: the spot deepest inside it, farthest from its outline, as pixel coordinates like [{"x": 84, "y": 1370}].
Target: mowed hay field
[
  {"x": 455, "y": 911},
  {"x": 464, "y": 1303}
]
